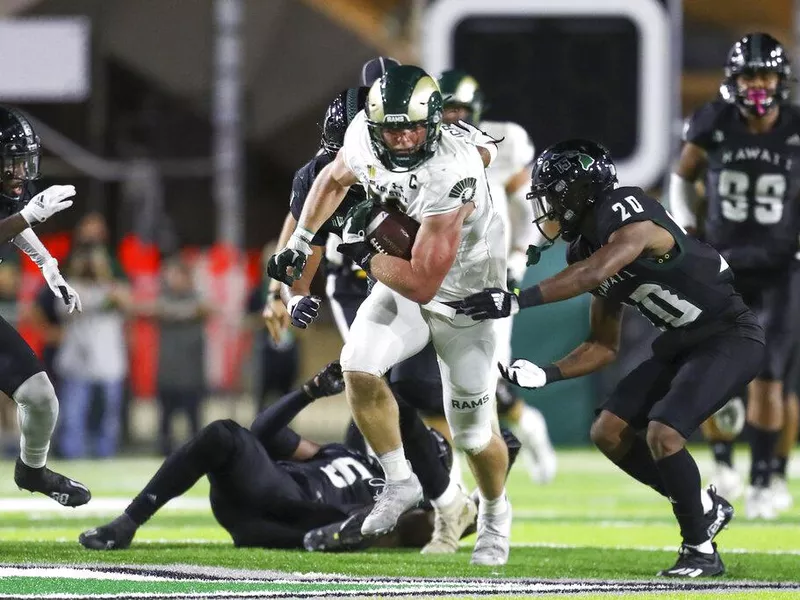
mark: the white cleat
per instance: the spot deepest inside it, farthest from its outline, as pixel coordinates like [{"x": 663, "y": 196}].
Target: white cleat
[
  {"x": 450, "y": 523},
  {"x": 758, "y": 504},
  {"x": 538, "y": 454},
  {"x": 727, "y": 481},
  {"x": 395, "y": 499},
  {"x": 781, "y": 496},
  {"x": 491, "y": 547}
]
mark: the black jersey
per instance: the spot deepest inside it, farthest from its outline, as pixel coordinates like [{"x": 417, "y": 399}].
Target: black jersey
[
  {"x": 301, "y": 185},
  {"x": 688, "y": 287},
  {"x": 336, "y": 476},
  {"x": 752, "y": 185}
]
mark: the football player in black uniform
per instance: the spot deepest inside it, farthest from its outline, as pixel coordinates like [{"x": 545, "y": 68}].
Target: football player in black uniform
[
  {"x": 22, "y": 375},
  {"x": 748, "y": 145},
  {"x": 416, "y": 382},
  {"x": 625, "y": 249},
  {"x": 269, "y": 486}
]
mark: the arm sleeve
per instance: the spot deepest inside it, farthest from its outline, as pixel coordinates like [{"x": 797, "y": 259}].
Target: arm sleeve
[
  {"x": 30, "y": 244},
  {"x": 271, "y": 426},
  {"x": 682, "y": 201}
]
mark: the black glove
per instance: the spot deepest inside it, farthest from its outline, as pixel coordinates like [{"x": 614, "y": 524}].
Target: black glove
[
  {"x": 359, "y": 252},
  {"x": 303, "y": 310},
  {"x": 279, "y": 263},
  {"x": 328, "y": 382},
  {"x": 491, "y": 303}
]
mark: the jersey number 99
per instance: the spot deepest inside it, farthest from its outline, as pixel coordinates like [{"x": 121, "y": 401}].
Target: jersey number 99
[{"x": 769, "y": 191}]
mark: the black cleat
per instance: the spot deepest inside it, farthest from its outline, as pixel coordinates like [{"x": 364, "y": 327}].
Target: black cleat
[
  {"x": 692, "y": 563},
  {"x": 344, "y": 536},
  {"x": 116, "y": 535},
  {"x": 720, "y": 514},
  {"x": 62, "y": 489}
]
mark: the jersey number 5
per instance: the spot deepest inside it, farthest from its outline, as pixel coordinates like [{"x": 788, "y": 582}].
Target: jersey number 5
[
  {"x": 623, "y": 210},
  {"x": 769, "y": 191},
  {"x": 345, "y": 471}
]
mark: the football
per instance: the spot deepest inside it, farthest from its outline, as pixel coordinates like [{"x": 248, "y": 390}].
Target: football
[{"x": 391, "y": 231}]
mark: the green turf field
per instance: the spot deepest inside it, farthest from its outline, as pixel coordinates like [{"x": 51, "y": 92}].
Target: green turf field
[{"x": 591, "y": 531}]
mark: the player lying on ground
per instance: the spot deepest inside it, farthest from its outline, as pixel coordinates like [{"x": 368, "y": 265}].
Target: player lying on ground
[
  {"x": 415, "y": 382},
  {"x": 625, "y": 248},
  {"x": 22, "y": 375},
  {"x": 269, "y": 486},
  {"x": 399, "y": 151},
  {"x": 746, "y": 145}
]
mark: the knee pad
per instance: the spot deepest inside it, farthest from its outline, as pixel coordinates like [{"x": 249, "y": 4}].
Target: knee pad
[
  {"x": 37, "y": 393},
  {"x": 470, "y": 420},
  {"x": 216, "y": 439}
]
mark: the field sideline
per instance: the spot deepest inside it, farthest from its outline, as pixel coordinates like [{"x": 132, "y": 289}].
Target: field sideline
[{"x": 591, "y": 531}]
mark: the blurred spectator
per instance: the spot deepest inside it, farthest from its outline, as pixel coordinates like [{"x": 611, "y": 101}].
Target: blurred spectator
[
  {"x": 275, "y": 365},
  {"x": 92, "y": 358},
  {"x": 181, "y": 352},
  {"x": 9, "y": 310}
]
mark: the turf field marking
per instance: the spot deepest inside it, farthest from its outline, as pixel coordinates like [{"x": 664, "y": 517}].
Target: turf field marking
[
  {"x": 637, "y": 548},
  {"x": 107, "y": 505},
  {"x": 187, "y": 581}
]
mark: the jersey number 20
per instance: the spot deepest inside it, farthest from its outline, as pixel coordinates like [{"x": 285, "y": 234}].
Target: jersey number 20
[{"x": 769, "y": 190}]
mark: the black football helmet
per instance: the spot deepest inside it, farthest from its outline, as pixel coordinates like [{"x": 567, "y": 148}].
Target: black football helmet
[
  {"x": 340, "y": 113},
  {"x": 19, "y": 155},
  {"x": 568, "y": 178},
  {"x": 756, "y": 52}
]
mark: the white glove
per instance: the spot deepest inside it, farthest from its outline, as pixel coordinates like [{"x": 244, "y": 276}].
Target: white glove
[
  {"x": 47, "y": 203},
  {"x": 524, "y": 374},
  {"x": 61, "y": 289}
]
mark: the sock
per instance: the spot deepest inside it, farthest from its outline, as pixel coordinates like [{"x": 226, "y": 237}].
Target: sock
[
  {"x": 206, "y": 452},
  {"x": 422, "y": 450},
  {"x": 779, "y": 466},
  {"x": 498, "y": 506},
  {"x": 447, "y": 497},
  {"x": 395, "y": 466},
  {"x": 639, "y": 464},
  {"x": 706, "y": 547},
  {"x": 681, "y": 479},
  {"x": 723, "y": 453},
  {"x": 762, "y": 446},
  {"x": 37, "y": 412}
]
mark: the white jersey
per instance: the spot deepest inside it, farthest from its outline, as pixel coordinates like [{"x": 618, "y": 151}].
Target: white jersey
[
  {"x": 453, "y": 176},
  {"x": 514, "y": 153}
]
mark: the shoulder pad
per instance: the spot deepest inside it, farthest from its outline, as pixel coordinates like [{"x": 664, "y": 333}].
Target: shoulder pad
[
  {"x": 623, "y": 206},
  {"x": 699, "y": 128}
]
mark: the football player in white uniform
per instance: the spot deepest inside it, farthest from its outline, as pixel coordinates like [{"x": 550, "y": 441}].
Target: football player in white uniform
[
  {"x": 508, "y": 182},
  {"x": 398, "y": 149}
]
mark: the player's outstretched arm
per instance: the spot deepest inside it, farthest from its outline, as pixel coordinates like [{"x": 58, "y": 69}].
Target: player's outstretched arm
[
  {"x": 599, "y": 350},
  {"x": 624, "y": 246},
  {"x": 271, "y": 426},
  {"x": 324, "y": 197},
  {"x": 432, "y": 256},
  {"x": 32, "y": 246}
]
